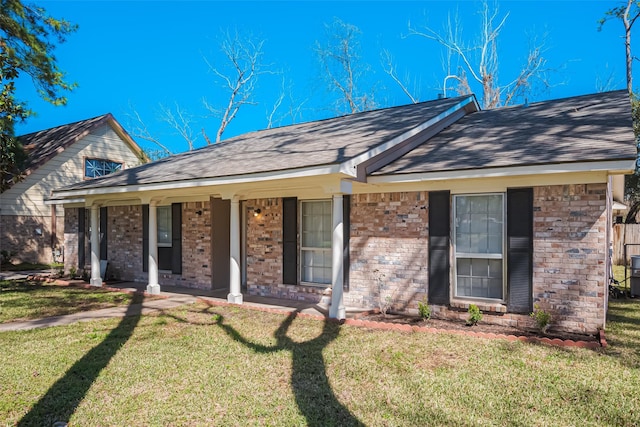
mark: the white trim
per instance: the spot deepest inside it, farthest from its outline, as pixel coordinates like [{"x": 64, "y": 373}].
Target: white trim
[
  {"x": 63, "y": 201},
  {"x": 208, "y": 182},
  {"x": 611, "y": 167},
  {"x": 456, "y": 255}
]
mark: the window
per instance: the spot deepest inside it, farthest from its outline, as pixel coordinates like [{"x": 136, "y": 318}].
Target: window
[
  {"x": 479, "y": 245},
  {"x": 94, "y": 168},
  {"x": 315, "y": 244},
  {"x": 164, "y": 237}
]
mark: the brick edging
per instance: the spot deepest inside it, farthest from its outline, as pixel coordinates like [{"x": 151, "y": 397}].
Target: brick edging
[{"x": 557, "y": 342}]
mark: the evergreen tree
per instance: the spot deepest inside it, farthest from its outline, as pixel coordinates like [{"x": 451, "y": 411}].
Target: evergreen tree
[{"x": 28, "y": 37}]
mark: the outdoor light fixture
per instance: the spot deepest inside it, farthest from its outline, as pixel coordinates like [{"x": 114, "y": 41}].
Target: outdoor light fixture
[
  {"x": 257, "y": 212},
  {"x": 199, "y": 212}
]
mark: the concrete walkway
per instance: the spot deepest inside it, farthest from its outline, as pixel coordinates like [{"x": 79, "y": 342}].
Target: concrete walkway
[
  {"x": 171, "y": 297},
  {"x": 105, "y": 313}
]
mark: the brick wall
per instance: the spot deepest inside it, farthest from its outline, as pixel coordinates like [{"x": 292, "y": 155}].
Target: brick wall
[
  {"x": 70, "y": 231},
  {"x": 389, "y": 234},
  {"x": 569, "y": 261},
  {"x": 19, "y": 236},
  {"x": 196, "y": 246},
  {"x": 570, "y": 254},
  {"x": 125, "y": 246}
]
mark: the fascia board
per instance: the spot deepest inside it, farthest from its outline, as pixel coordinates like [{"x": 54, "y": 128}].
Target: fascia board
[
  {"x": 197, "y": 183},
  {"x": 614, "y": 167}
]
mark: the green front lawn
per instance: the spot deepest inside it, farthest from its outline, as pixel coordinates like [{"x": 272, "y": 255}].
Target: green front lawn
[
  {"x": 24, "y": 300},
  {"x": 201, "y": 365}
]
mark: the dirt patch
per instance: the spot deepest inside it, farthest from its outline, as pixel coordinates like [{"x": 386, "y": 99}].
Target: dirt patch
[{"x": 460, "y": 325}]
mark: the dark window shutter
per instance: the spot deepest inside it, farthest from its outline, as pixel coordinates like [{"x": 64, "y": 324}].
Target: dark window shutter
[
  {"x": 82, "y": 218},
  {"x": 103, "y": 233},
  {"x": 176, "y": 238},
  {"x": 439, "y": 235},
  {"x": 145, "y": 237},
  {"x": 346, "y": 234},
  {"x": 520, "y": 250},
  {"x": 290, "y": 240},
  {"x": 220, "y": 243}
]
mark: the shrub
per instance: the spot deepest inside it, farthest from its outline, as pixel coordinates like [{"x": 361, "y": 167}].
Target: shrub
[
  {"x": 424, "y": 310},
  {"x": 475, "y": 315},
  {"x": 542, "y": 318}
]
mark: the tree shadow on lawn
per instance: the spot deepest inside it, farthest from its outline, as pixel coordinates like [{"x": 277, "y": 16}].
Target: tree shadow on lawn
[
  {"x": 63, "y": 397},
  {"x": 309, "y": 381}
]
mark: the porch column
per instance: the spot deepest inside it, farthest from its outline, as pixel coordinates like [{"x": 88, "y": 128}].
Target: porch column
[
  {"x": 235, "y": 295},
  {"x": 337, "y": 309},
  {"x": 96, "y": 280},
  {"x": 153, "y": 287}
]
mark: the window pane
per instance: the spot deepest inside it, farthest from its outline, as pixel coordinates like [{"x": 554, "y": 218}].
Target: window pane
[
  {"x": 478, "y": 277},
  {"x": 94, "y": 168},
  {"x": 316, "y": 266},
  {"x": 479, "y": 224},
  {"x": 316, "y": 241},
  {"x": 164, "y": 225}
]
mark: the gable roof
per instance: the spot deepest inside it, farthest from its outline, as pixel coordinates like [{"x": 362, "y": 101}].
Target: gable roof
[
  {"x": 589, "y": 128},
  {"x": 43, "y": 145},
  {"x": 325, "y": 143},
  {"x": 444, "y": 137}
]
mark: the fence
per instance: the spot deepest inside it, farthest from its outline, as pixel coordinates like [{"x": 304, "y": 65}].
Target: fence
[{"x": 629, "y": 235}]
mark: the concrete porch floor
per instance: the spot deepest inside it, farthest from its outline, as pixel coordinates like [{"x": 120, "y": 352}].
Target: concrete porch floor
[{"x": 220, "y": 295}]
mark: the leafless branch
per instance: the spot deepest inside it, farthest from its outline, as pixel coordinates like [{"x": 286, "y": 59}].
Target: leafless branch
[
  {"x": 342, "y": 65},
  {"x": 480, "y": 64},
  {"x": 244, "y": 65},
  {"x": 389, "y": 67}
]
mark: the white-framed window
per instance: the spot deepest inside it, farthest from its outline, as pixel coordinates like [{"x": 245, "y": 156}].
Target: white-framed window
[
  {"x": 165, "y": 234},
  {"x": 94, "y": 168},
  {"x": 315, "y": 242},
  {"x": 479, "y": 245},
  {"x": 164, "y": 226}
]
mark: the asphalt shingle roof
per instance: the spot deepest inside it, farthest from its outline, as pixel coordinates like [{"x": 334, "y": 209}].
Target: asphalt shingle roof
[
  {"x": 318, "y": 143},
  {"x": 586, "y": 128},
  {"x": 43, "y": 145}
]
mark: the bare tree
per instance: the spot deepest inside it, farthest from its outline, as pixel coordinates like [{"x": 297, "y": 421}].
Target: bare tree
[
  {"x": 343, "y": 68},
  {"x": 628, "y": 13},
  {"x": 239, "y": 76},
  {"x": 478, "y": 64}
]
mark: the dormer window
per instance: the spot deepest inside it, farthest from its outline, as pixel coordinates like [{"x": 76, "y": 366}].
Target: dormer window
[{"x": 94, "y": 168}]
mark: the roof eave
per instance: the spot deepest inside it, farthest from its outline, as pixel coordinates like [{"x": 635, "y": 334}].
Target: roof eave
[
  {"x": 611, "y": 167},
  {"x": 205, "y": 182}
]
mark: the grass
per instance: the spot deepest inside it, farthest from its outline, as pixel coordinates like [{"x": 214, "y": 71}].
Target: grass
[
  {"x": 24, "y": 300},
  {"x": 200, "y": 365},
  {"x": 26, "y": 266}
]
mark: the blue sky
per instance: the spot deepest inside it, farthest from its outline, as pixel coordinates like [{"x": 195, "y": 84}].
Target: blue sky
[{"x": 147, "y": 53}]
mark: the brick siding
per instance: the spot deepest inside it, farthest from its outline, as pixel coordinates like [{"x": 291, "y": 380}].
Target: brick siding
[
  {"x": 570, "y": 250},
  {"x": 70, "y": 239},
  {"x": 20, "y": 238},
  {"x": 389, "y": 242}
]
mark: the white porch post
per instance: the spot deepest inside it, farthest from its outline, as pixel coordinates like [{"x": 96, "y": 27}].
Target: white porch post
[
  {"x": 96, "y": 280},
  {"x": 337, "y": 309},
  {"x": 235, "y": 295},
  {"x": 153, "y": 287}
]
